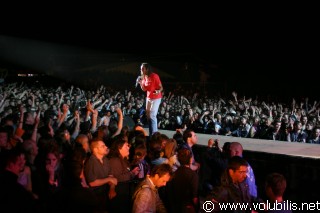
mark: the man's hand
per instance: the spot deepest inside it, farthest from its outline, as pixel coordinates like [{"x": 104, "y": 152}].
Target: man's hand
[
  {"x": 135, "y": 171},
  {"x": 112, "y": 193},
  {"x": 112, "y": 181}
]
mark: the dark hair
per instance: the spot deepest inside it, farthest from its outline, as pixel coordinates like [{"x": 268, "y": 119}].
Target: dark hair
[
  {"x": 226, "y": 147},
  {"x": 296, "y": 123},
  {"x": 140, "y": 150},
  {"x": 139, "y": 140},
  {"x": 113, "y": 126},
  {"x": 184, "y": 156},
  {"x": 178, "y": 137},
  {"x": 155, "y": 136},
  {"x": 187, "y": 134},
  {"x": 277, "y": 182},
  {"x": 235, "y": 162},
  {"x": 11, "y": 156},
  {"x": 161, "y": 170},
  {"x": 116, "y": 145},
  {"x": 78, "y": 154},
  {"x": 103, "y": 133},
  {"x": 276, "y": 121},
  {"x": 154, "y": 151},
  {"x": 147, "y": 66},
  {"x": 71, "y": 173}
]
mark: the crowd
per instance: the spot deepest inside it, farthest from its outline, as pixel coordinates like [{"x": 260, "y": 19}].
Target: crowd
[
  {"x": 70, "y": 150},
  {"x": 297, "y": 121}
]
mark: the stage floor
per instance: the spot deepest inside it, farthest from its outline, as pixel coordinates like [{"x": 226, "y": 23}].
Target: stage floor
[{"x": 267, "y": 146}]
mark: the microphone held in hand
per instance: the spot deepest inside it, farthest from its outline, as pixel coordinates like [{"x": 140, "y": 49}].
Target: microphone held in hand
[{"x": 138, "y": 79}]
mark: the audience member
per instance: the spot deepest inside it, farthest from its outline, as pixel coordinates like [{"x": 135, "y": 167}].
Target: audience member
[
  {"x": 98, "y": 174},
  {"x": 275, "y": 187},
  {"x": 183, "y": 187},
  {"x": 146, "y": 197},
  {"x": 233, "y": 189}
]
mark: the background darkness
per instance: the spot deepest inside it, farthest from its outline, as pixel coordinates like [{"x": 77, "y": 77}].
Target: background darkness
[{"x": 266, "y": 67}]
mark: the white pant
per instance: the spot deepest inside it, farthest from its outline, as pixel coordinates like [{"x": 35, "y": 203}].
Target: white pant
[{"x": 152, "y": 106}]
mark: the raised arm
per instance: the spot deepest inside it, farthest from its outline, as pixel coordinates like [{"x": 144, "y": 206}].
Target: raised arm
[
  {"x": 35, "y": 127},
  {"x": 120, "y": 122}
]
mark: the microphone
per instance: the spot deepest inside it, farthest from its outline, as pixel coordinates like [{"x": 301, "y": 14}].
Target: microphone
[{"x": 137, "y": 81}]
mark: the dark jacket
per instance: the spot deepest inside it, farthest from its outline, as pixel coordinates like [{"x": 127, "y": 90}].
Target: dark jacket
[
  {"x": 13, "y": 196},
  {"x": 230, "y": 193}
]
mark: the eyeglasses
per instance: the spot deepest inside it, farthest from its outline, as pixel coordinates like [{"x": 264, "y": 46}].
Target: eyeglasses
[{"x": 241, "y": 172}]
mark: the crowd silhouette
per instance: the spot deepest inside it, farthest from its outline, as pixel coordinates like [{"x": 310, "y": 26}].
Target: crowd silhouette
[{"x": 66, "y": 149}]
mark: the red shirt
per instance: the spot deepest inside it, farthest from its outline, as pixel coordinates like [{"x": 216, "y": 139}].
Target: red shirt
[{"x": 152, "y": 83}]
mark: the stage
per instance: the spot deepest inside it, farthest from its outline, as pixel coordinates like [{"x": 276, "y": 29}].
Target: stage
[{"x": 257, "y": 145}]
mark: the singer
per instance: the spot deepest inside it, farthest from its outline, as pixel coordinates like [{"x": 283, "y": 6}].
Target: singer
[{"x": 151, "y": 83}]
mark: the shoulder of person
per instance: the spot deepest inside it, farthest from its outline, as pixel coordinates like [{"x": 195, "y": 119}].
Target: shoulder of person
[
  {"x": 154, "y": 75},
  {"x": 144, "y": 188},
  {"x": 114, "y": 160}
]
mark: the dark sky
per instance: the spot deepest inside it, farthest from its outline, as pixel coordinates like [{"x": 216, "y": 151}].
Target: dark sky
[{"x": 264, "y": 66}]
